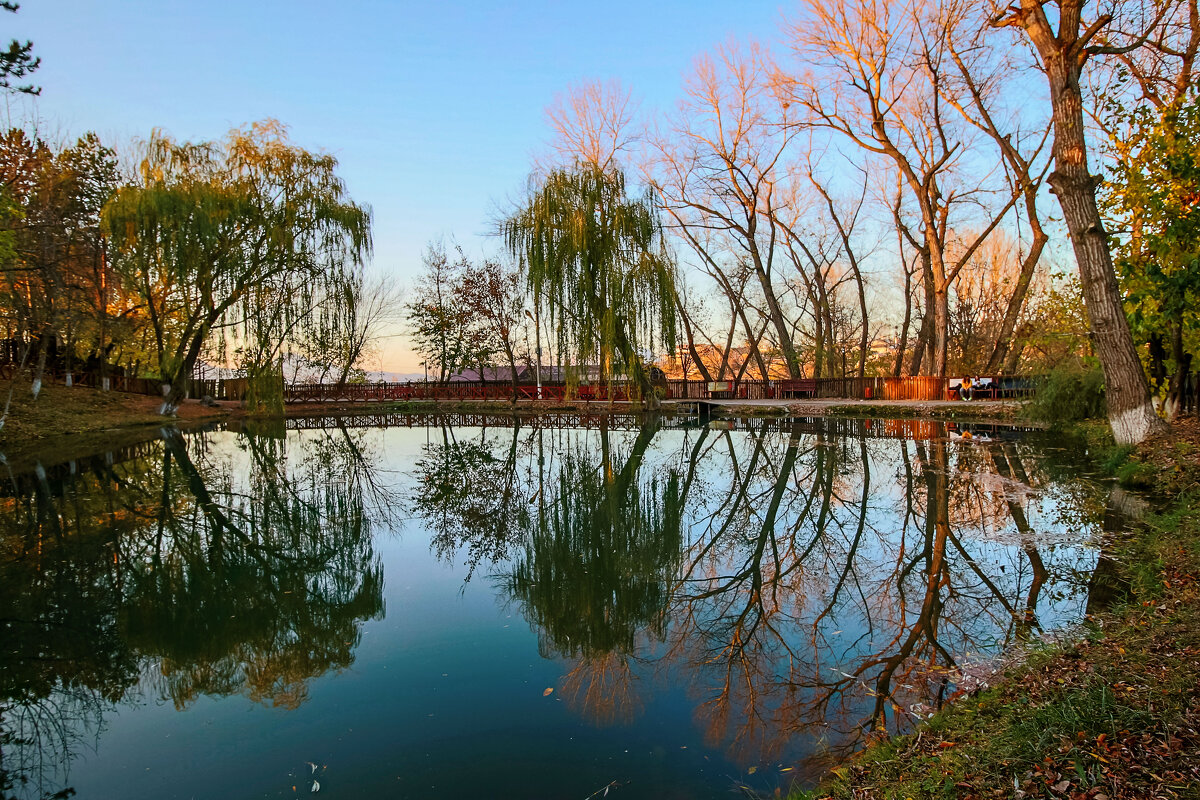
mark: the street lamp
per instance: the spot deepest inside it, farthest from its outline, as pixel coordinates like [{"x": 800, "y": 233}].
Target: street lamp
[{"x": 537, "y": 327}]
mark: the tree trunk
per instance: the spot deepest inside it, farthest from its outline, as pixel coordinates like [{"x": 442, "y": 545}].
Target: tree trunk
[
  {"x": 1183, "y": 367},
  {"x": 1014, "y": 350},
  {"x": 1130, "y": 410},
  {"x": 777, "y": 320},
  {"x": 1063, "y": 55},
  {"x": 941, "y": 330},
  {"x": 918, "y": 356},
  {"x": 691, "y": 340},
  {"x": 177, "y": 384},
  {"x": 902, "y": 345},
  {"x": 1016, "y": 302},
  {"x": 39, "y": 368}
]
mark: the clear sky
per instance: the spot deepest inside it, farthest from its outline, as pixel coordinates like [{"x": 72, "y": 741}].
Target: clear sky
[{"x": 434, "y": 109}]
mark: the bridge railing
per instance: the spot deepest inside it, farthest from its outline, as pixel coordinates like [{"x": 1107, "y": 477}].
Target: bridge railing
[
  {"x": 456, "y": 390},
  {"x": 911, "y": 388},
  {"x": 920, "y": 387}
]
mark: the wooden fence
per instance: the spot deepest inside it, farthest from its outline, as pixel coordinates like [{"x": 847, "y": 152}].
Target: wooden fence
[
  {"x": 914, "y": 388},
  {"x": 458, "y": 390}
]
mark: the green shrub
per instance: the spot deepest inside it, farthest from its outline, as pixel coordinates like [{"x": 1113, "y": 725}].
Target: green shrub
[{"x": 1070, "y": 393}]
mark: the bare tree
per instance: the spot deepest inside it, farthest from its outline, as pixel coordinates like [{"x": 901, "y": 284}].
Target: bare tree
[
  {"x": 718, "y": 168},
  {"x": 490, "y": 292},
  {"x": 1063, "y": 51},
  {"x": 595, "y": 122},
  {"x": 879, "y": 78}
]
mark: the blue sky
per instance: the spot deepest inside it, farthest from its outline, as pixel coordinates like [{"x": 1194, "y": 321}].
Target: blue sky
[{"x": 433, "y": 109}]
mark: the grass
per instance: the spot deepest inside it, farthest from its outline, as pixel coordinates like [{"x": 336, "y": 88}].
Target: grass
[
  {"x": 1115, "y": 714},
  {"x": 62, "y": 417}
]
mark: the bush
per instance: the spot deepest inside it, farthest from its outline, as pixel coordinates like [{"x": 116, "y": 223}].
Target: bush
[{"x": 1070, "y": 393}]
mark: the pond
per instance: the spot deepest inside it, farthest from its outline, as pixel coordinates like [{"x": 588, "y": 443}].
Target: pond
[{"x": 432, "y": 607}]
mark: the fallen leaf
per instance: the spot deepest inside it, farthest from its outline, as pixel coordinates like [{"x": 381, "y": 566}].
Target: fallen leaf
[
  {"x": 549, "y": 691},
  {"x": 752, "y": 770}
]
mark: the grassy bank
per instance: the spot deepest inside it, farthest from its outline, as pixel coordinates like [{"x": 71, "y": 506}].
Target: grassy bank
[
  {"x": 61, "y": 416},
  {"x": 1114, "y": 714},
  {"x": 67, "y": 420}
]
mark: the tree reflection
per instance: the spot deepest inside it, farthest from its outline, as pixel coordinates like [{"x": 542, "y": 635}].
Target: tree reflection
[
  {"x": 817, "y": 608},
  {"x": 472, "y": 499},
  {"x": 804, "y": 600},
  {"x": 178, "y": 569},
  {"x": 809, "y": 588},
  {"x": 600, "y": 553},
  {"x": 595, "y": 575}
]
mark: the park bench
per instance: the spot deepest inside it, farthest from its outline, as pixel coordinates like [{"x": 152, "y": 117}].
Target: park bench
[
  {"x": 983, "y": 389},
  {"x": 803, "y": 387}
]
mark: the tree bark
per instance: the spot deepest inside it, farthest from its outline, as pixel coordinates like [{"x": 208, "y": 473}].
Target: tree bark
[
  {"x": 689, "y": 334},
  {"x": 1130, "y": 409}
]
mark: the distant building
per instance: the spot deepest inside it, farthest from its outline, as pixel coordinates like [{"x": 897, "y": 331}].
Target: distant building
[{"x": 527, "y": 373}]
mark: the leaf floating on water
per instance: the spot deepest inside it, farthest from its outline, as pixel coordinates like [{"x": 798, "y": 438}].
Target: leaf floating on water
[
  {"x": 311, "y": 764},
  {"x": 752, "y": 770},
  {"x": 316, "y": 786},
  {"x": 549, "y": 691}
]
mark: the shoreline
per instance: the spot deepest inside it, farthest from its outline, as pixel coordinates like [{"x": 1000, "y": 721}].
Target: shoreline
[
  {"x": 64, "y": 417},
  {"x": 1112, "y": 713},
  {"x": 71, "y": 422},
  {"x": 1129, "y": 683}
]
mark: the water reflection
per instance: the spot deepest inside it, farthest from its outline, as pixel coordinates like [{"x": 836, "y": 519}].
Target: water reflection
[
  {"x": 811, "y": 590},
  {"x": 788, "y": 590},
  {"x": 173, "y": 570}
]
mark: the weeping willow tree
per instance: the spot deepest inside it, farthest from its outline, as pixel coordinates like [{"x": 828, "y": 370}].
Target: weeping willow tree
[
  {"x": 243, "y": 237},
  {"x": 594, "y": 258}
]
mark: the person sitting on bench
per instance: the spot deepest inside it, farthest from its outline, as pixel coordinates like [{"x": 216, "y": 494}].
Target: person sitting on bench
[{"x": 967, "y": 390}]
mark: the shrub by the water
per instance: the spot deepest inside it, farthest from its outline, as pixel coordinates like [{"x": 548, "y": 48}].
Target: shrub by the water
[{"x": 1071, "y": 392}]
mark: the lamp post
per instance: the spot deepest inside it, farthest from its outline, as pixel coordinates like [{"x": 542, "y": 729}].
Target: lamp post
[{"x": 537, "y": 328}]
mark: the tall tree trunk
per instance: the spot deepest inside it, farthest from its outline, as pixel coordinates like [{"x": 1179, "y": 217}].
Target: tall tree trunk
[
  {"x": 1015, "y": 349},
  {"x": 776, "y": 316},
  {"x": 1130, "y": 410},
  {"x": 918, "y": 356},
  {"x": 1183, "y": 367},
  {"x": 902, "y": 345},
  {"x": 39, "y": 367},
  {"x": 1016, "y": 302},
  {"x": 1063, "y": 55},
  {"x": 689, "y": 334}
]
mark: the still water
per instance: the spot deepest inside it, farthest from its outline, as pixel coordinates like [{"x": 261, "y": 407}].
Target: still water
[{"x": 475, "y": 607}]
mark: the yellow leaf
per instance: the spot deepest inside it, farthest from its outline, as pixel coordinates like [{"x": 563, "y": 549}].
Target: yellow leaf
[{"x": 549, "y": 691}]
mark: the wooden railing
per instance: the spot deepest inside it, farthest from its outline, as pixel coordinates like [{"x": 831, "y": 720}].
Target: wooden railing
[
  {"x": 914, "y": 388},
  {"x": 458, "y": 390}
]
